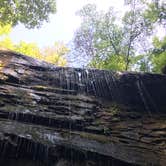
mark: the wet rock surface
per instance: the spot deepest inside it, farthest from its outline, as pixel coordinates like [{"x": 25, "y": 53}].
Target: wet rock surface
[{"x": 53, "y": 116}]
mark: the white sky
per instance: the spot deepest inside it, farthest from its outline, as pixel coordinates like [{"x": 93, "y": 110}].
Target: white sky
[{"x": 62, "y": 25}]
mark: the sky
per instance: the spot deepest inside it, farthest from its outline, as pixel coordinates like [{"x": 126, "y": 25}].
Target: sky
[{"x": 62, "y": 25}]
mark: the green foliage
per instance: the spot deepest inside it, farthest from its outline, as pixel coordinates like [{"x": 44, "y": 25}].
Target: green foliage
[
  {"x": 159, "y": 54},
  {"x": 98, "y": 36},
  {"x": 54, "y": 54},
  {"x": 6, "y": 43},
  {"x": 122, "y": 43},
  {"x": 30, "y": 49},
  {"x": 142, "y": 62},
  {"x": 29, "y": 12},
  {"x": 5, "y": 29},
  {"x": 159, "y": 62},
  {"x": 110, "y": 44},
  {"x": 156, "y": 12},
  {"x": 113, "y": 62}
]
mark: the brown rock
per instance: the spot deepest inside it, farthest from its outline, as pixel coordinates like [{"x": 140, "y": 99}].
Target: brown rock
[{"x": 99, "y": 117}]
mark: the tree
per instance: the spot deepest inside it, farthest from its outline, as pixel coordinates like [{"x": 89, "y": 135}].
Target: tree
[
  {"x": 120, "y": 43},
  {"x": 30, "y": 49},
  {"x": 99, "y": 37},
  {"x": 110, "y": 44},
  {"x": 5, "y": 41},
  {"x": 156, "y": 12},
  {"x": 31, "y": 13},
  {"x": 135, "y": 31},
  {"x": 154, "y": 15},
  {"x": 4, "y": 29},
  {"x": 159, "y": 54},
  {"x": 54, "y": 54}
]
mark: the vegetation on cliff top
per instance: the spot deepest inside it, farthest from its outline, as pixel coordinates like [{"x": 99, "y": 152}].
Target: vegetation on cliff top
[
  {"x": 110, "y": 41},
  {"x": 126, "y": 42}
]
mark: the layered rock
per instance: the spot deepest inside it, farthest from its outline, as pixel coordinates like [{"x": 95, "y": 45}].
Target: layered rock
[{"x": 71, "y": 116}]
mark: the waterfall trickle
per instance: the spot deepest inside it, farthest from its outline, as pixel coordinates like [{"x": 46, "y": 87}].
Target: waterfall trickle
[{"x": 55, "y": 115}]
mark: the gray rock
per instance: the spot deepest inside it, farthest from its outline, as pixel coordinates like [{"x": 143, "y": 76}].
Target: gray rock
[{"x": 69, "y": 116}]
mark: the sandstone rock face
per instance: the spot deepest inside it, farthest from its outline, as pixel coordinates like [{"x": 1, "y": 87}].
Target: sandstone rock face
[{"x": 69, "y": 116}]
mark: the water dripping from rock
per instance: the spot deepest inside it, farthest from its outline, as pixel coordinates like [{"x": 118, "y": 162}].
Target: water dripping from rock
[
  {"x": 141, "y": 92},
  {"x": 79, "y": 77}
]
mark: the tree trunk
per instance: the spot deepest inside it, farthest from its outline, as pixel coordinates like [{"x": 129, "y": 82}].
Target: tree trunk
[{"x": 69, "y": 116}]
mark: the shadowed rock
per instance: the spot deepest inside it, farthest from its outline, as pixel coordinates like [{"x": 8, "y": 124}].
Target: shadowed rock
[{"x": 69, "y": 116}]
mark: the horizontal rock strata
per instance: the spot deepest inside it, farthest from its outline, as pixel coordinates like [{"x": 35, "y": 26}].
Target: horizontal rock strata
[{"x": 69, "y": 116}]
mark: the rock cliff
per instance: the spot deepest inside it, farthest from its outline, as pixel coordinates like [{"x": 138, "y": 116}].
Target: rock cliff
[{"x": 69, "y": 116}]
